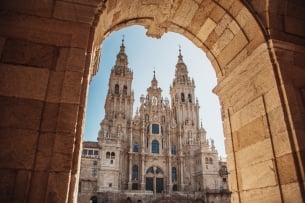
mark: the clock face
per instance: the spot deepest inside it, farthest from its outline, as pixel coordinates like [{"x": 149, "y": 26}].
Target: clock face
[{"x": 154, "y": 100}]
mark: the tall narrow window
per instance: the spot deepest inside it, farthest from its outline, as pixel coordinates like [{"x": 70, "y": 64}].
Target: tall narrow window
[
  {"x": 112, "y": 155},
  {"x": 94, "y": 172},
  {"x": 135, "y": 172},
  {"x": 155, "y": 147},
  {"x": 135, "y": 148},
  {"x": 125, "y": 90},
  {"x": 182, "y": 97},
  {"x": 116, "y": 89},
  {"x": 190, "y": 98},
  {"x": 107, "y": 155},
  {"x": 174, "y": 174},
  {"x": 174, "y": 150}
]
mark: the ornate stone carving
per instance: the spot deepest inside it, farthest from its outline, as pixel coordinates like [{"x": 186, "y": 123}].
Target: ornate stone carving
[{"x": 161, "y": 21}]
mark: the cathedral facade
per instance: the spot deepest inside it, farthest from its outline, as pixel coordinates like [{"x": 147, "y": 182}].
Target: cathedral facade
[{"x": 160, "y": 151}]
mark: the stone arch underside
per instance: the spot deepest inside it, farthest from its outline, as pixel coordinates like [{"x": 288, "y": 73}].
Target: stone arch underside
[{"x": 50, "y": 50}]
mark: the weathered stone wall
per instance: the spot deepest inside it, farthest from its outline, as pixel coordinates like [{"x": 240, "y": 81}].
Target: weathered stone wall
[{"x": 49, "y": 50}]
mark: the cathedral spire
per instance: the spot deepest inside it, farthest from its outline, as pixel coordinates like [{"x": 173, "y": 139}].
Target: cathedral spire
[
  {"x": 154, "y": 81},
  {"x": 122, "y": 47}
]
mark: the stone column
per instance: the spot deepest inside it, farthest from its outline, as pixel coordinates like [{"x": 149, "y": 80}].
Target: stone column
[
  {"x": 142, "y": 172},
  {"x": 130, "y": 172}
]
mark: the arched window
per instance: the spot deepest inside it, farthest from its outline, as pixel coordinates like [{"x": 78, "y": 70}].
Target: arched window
[
  {"x": 125, "y": 90},
  {"x": 182, "y": 97},
  {"x": 116, "y": 89},
  {"x": 135, "y": 172},
  {"x": 107, "y": 155},
  {"x": 174, "y": 150},
  {"x": 174, "y": 174},
  {"x": 112, "y": 155},
  {"x": 155, "y": 147},
  {"x": 135, "y": 148},
  {"x": 190, "y": 98},
  {"x": 210, "y": 160}
]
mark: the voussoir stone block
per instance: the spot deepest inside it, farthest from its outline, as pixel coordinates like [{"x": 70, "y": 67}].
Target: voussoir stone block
[
  {"x": 20, "y": 113},
  {"x": 57, "y": 187},
  {"x": 21, "y": 155},
  {"x": 24, "y": 82},
  {"x": 29, "y": 53}
]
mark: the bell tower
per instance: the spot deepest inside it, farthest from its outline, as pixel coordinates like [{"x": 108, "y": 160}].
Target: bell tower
[
  {"x": 115, "y": 129},
  {"x": 182, "y": 91}
]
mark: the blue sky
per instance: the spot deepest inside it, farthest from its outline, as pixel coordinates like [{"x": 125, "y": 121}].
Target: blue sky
[{"x": 145, "y": 55}]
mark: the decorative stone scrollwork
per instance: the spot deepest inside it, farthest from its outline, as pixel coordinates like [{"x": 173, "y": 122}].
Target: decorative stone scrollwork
[{"x": 165, "y": 12}]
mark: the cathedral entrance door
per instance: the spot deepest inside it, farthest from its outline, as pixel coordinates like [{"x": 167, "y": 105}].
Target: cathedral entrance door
[
  {"x": 150, "y": 184},
  {"x": 159, "y": 185},
  {"x": 154, "y": 179}
]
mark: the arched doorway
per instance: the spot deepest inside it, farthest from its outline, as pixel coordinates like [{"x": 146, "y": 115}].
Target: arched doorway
[
  {"x": 256, "y": 51},
  {"x": 154, "y": 179}
]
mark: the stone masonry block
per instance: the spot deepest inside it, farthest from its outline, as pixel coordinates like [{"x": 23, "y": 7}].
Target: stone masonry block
[
  {"x": 20, "y": 154},
  {"x": 44, "y": 151},
  {"x": 222, "y": 42},
  {"x": 186, "y": 13},
  {"x": 260, "y": 175},
  {"x": 29, "y": 54},
  {"x": 72, "y": 87},
  {"x": 223, "y": 24},
  {"x": 262, "y": 195},
  {"x": 57, "y": 187},
  {"x": 255, "y": 153},
  {"x": 7, "y": 183},
  {"x": 18, "y": 81},
  {"x": 252, "y": 111},
  {"x": 55, "y": 86},
  {"x": 61, "y": 162},
  {"x": 206, "y": 29},
  {"x": 286, "y": 168},
  {"x": 38, "y": 190},
  {"x": 50, "y": 117},
  {"x": 2, "y": 42},
  {"x": 76, "y": 60},
  {"x": 74, "y": 12},
  {"x": 38, "y": 8},
  {"x": 67, "y": 119},
  {"x": 291, "y": 192},
  {"x": 20, "y": 113},
  {"x": 235, "y": 46},
  {"x": 199, "y": 17},
  {"x": 249, "y": 134},
  {"x": 22, "y": 185}
]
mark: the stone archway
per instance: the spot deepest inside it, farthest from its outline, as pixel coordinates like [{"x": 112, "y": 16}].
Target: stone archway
[{"x": 50, "y": 50}]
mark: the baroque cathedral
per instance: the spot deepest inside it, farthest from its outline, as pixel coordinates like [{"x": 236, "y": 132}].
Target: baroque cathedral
[{"x": 160, "y": 153}]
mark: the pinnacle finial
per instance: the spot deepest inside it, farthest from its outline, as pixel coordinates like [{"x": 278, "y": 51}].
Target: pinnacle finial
[
  {"x": 123, "y": 39},
  {"x": 179, "y": 49}
]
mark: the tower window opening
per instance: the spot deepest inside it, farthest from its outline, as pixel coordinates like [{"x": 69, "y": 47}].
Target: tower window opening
[
  {"x": 116, "y": 89},
  {"x": 125, "y": 90},
  {"x": 182, "y": 97},
  {"x": 107, "y": 155},
  {"x": 190, "y": 98},
  {"x": 112, "y": 155}
]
